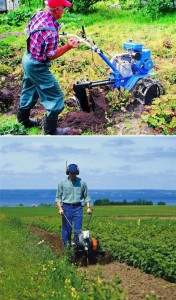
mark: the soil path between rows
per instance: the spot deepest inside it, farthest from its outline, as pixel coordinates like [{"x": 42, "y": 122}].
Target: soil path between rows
[{"x": 136, "y": 283}]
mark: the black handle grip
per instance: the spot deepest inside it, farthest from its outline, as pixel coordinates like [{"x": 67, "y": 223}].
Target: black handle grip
[{"x": 83, "y": 33}]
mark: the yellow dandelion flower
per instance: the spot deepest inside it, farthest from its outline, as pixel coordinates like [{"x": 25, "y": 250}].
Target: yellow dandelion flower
[
  {"x": 99, "y": 281},
  {"x": 74, "y": 293},
  {"x": 67, "y": 281}
]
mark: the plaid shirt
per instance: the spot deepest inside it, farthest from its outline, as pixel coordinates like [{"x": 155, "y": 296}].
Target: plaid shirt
[{"x": 43, "y": 43}]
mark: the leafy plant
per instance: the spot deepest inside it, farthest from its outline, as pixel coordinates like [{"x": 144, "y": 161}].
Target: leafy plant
[
  {"x": 6, "y": 51},
  {"x": 4, "y": 70},
  {"x": 119, "y": 100},
  {"x": 151, "y": 7},
  {"x": 12, "y": 127},
  {"x": 16, "y": 17},
  {"x": 84, "y": 5},
  {"x": 162, "y": 114}
]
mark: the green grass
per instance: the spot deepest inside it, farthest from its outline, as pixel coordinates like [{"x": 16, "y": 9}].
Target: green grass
[
  {"x": 21, "y": 261},
  {"x": 10, "y": 126},
  {"x": 28, "y": 211},
  {"x": 98, "y": 211},
  {"x": 29, "y": 270},
  {"x": 135, "y": 211}
]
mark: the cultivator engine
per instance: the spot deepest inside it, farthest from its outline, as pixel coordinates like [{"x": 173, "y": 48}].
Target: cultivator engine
[
  {"x": 86, "y": 243},
  {"x": 86, "y": 246},
  {"x": 130, "y": 70}
]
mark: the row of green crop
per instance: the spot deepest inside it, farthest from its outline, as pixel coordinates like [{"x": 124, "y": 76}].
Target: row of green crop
[
  {"x": 146, "y": 244},
  {"x": 29, "y": 270}
]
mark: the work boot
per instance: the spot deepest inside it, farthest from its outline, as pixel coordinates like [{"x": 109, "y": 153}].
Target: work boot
[
  {"x": 23, "y": 118},
  {"x": 50, "y": 127}
]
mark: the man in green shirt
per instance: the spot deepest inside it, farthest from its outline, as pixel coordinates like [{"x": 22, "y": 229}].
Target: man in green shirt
[{"x": 71, "y": 193}]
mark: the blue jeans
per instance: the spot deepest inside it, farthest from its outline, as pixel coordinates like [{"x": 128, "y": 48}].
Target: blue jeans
[
  {"x": 75, "y": 215},
  {"x": 39, "y": 82}
]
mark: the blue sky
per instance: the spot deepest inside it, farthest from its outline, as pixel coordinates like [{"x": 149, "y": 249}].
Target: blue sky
[{"x": 105, "y": 162}]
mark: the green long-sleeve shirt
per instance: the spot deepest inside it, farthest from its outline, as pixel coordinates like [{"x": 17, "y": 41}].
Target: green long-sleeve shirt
[{"x": 72, "y": 191}]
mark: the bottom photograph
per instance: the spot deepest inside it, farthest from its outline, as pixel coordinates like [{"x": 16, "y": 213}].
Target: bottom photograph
[{"x": 88, "y": 218}]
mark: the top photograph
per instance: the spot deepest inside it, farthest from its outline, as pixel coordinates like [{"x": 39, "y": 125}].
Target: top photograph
[{"x": 87, "y": 67}]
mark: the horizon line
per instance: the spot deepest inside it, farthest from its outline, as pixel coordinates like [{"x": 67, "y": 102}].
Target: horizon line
[{"x": 163, "y": 189}]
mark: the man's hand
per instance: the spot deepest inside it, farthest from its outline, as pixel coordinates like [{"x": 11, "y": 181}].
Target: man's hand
[
  {"x": 89, "y": 210},
  {"x": 61, "y": 212},
  {"x": 73, "y": 43}
]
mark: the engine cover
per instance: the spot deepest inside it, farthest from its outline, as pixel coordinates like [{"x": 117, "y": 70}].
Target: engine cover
[
  {"x": 122, "y": 64},
  {"x": 145, "y": 64},
  {"x": 83, "y": 241},
  {"x": 130, "y": 45}
]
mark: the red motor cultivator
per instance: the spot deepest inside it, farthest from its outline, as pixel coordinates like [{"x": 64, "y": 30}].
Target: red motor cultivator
[
  {"x": 87, "y": 246},
  {"x": 87, "y": 249}
]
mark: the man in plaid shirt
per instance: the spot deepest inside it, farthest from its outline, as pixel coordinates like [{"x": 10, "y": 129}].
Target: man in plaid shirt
[{"x": 38, "y": 81}]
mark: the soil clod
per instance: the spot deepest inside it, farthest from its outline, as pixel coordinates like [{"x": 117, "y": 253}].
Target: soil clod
[
  {"x": 6, "y": 99},
  {"x": 94, "y": 120}
]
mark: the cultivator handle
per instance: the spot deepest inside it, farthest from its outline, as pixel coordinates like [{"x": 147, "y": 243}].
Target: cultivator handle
[
  {"x": 85, "y": 40},
  {"x": 83, "y": 33},
  {"x": 91, "y": 44},
  {"x": 88, "y": 222}
]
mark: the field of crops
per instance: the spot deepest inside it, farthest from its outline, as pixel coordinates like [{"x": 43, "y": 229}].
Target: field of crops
[
  {"x": 138, "y": 240},
  {"x": 147, "y": 244}
]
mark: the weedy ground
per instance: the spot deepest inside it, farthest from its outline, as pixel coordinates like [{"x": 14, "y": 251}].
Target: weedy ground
[{"x": 109, "y": 28}]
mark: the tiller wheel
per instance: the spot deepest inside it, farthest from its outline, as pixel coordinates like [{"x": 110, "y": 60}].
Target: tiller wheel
[{"x": 146, "y": 89}]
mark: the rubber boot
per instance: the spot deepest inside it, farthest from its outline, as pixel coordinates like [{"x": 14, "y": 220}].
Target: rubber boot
[
  {"x": 23, "y": 118},
  {"x": 50, "y": 127}
]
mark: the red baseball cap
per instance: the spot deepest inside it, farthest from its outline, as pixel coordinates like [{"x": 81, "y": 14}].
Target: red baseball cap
[{"x": 57, "y": 3}]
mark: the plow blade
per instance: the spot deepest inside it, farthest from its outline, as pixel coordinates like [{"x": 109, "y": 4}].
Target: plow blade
[
  {"x": 82, "y": 91},
  {"x": 81, "y": 257}
]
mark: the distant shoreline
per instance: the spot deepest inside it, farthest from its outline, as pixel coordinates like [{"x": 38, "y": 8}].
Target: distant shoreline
[{"x": 29, "y": 197}]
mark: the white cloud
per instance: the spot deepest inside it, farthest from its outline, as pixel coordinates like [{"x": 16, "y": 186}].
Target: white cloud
[{"x": 104, "y": 161}]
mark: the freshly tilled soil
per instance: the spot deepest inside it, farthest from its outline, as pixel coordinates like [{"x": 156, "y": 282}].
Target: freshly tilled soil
[
  {"x": 93, "y": 122},
  {"x": 136, "y": 283}
]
